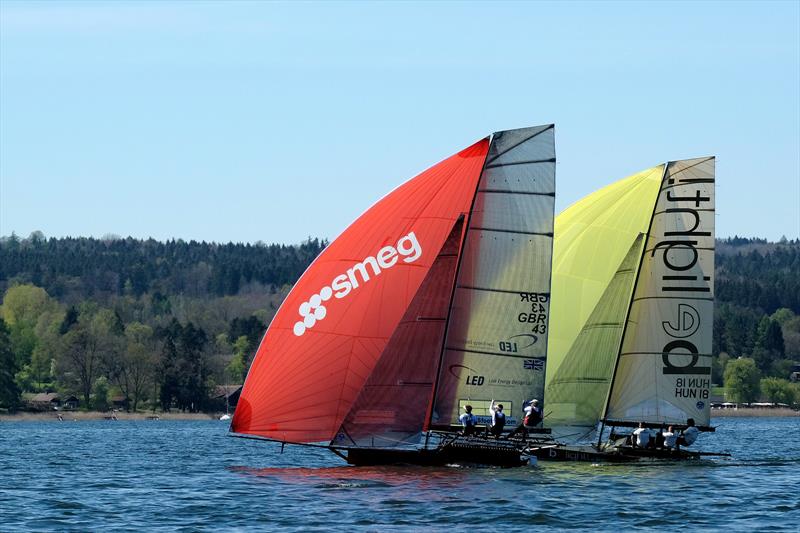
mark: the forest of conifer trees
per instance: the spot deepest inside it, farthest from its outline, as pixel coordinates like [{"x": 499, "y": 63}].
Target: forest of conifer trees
[{"x": 162, "y": 324}]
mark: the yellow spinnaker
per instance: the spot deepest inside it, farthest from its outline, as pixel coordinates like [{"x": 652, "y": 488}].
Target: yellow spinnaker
[{"x": 591, "y": 239}]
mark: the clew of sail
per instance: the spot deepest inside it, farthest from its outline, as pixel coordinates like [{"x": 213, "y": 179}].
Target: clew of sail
[
  {"x": 332, "y": 328},
  {"x": 663, "y": 372},
  {"x": 496, "y": 340}
]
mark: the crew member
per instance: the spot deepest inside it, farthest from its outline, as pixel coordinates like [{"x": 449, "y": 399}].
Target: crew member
[
  {"x": 498, "y": 419},
  {"x": 641, "y": 436},
  {"x": 468, "y": 421},
  {"x": 688, "y": 435},
  {"x": 532, "y": 418},
  {"x": 670, "y": 438}
]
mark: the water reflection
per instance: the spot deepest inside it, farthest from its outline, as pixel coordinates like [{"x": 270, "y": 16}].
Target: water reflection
[{"x": 424, "y": 477}]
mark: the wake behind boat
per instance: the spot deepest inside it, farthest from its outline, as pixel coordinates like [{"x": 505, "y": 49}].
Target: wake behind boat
[{"x": 436, "y": 298}]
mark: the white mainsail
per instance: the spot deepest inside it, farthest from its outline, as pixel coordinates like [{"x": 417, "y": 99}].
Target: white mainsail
[
  {"x": 663, "y": 372},
  {"x": 496, "y": 340}
]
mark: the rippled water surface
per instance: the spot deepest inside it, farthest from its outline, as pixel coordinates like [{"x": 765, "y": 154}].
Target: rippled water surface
[{"x": 157, "y": 475}]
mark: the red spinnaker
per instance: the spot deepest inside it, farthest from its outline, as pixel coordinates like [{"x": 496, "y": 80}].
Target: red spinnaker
[
  {"x": 392, "y": 407},
  {"x": 332, "y": 328}
]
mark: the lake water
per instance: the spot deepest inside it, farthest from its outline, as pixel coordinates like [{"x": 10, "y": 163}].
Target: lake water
[{"x": 165, "y": 476}]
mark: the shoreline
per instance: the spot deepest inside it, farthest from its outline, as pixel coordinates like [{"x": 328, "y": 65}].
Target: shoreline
[
  {"x": 754, "y": 411},
  {"x": 80, "y": 416}
]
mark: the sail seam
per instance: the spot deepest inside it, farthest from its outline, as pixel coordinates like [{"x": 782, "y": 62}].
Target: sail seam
[
  {"x": 694, "y": 209},
  {"x": 502, "y": 191},
  {"x": 688, "y": 183},
  {"x": 602, "y": 325},
  {"x": 528, "y": 162},
  {"x": 580, "y": 380},
  {"x": 661, "y": 353},
  {"x": 651, "y": 250},
  {"x": 472, "y": 287},
  {"x": 454, "y": 349},
  {"x": 504, "y": 152},
  {"x": 673, "y": 174},
  {"x": 670, "y": 298},
  {"x": 497, "y": 230}
]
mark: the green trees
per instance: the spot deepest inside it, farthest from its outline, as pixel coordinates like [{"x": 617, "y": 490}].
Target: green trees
[
  {"x": 742, "y": 380},
  {"x": 76, "y": 309},
  {"x": 75, "y": 268},
  {"x": 137, "y": 362},
  {"x": 116, "y": 294},
  {"x": 777, "y": 390},
  {"x": 100, "y": 389},
  {"x": 236, "y": 369},
  {"x": 184, "y": 370},
  {"x": 769, "y": 348},
  {"x": 756, "y": 279},
  {"x": 9, "y": 392},
  {"x": 23, "y": 307}
]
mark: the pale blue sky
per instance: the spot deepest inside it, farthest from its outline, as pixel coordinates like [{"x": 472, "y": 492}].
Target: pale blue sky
[{"x": 270, "y": 121}]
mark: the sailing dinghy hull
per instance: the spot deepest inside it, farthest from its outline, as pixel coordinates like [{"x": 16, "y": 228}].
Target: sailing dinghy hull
[{"x": 620, "y": 454}]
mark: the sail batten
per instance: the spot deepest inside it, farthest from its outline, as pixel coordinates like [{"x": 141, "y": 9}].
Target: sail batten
[
  {"x": 496, "y": 340},
  {"x": 663, "y": 374}
]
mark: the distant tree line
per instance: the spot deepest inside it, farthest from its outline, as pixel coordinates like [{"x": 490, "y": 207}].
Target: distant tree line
[
  {"x": 82, "y": 268},
  {"x": 161, "y": 324},
  {"x": 156, "y": 324},
  {"x": 756, "y": 322}
]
